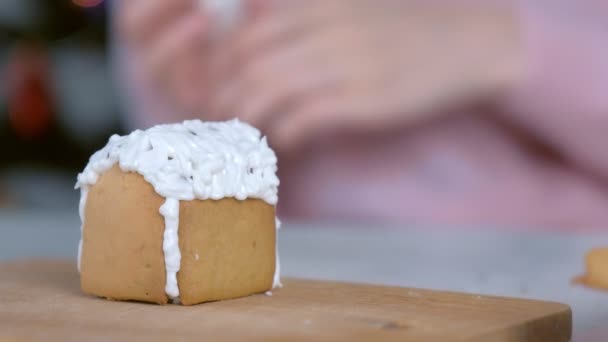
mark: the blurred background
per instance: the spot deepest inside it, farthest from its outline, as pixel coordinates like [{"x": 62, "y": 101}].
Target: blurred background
[
  {"x": 59, "y": 103},
  {"x": 56, "y": 98}
]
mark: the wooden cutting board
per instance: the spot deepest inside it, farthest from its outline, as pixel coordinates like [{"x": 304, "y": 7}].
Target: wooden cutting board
[{"x": 41, "y": 301}]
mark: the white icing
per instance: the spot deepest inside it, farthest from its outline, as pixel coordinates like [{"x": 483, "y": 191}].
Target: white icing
[
  {"x": 84, "y": 191},
  {"x": 276, "y": 282},
  {"x": 186, "y": 161},
  {"x": 170, "y": 210}
]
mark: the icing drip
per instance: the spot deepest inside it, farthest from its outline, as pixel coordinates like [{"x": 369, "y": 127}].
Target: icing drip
[
  {"x": 84, "y": 191},
  {"x": 170, "y": 210},
  {"x": 186, "y": 161},
  {"x": 276, "y": 282}
]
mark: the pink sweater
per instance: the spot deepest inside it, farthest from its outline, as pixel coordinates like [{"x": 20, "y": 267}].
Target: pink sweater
[{"x": 471, "y": 169}]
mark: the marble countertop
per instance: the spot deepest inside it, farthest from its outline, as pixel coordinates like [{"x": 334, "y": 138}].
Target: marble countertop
[{"x": 538, "y": 265}]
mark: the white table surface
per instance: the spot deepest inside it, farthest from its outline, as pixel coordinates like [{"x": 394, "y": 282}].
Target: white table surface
[{"x": 537, "y": 265}]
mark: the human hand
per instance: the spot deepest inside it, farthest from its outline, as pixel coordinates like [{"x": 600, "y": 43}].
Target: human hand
[
  {"x": 171, "y": 41},
  {"x": 303, "y": 69}
]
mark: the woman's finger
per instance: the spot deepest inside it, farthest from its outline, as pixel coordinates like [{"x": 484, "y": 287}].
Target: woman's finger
[
  {"x": 140, "y": 20},
  {"x": 262, "y": 104},
  {"x": 269, "y": 31},
  {"x": 315, "y": 118},
  {"x": 188, "y": 86},
  {"x": 188, "y": 36},
  {"x": 271, "y": 80}
]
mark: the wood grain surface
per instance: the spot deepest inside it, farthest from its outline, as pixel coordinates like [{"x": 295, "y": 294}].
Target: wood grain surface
[{"x": 40, "y": 300}]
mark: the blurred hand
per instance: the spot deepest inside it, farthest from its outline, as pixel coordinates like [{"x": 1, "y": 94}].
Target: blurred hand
[
  {"x": 171, "y": 39},
  {"x": 307, "y": 68}
]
